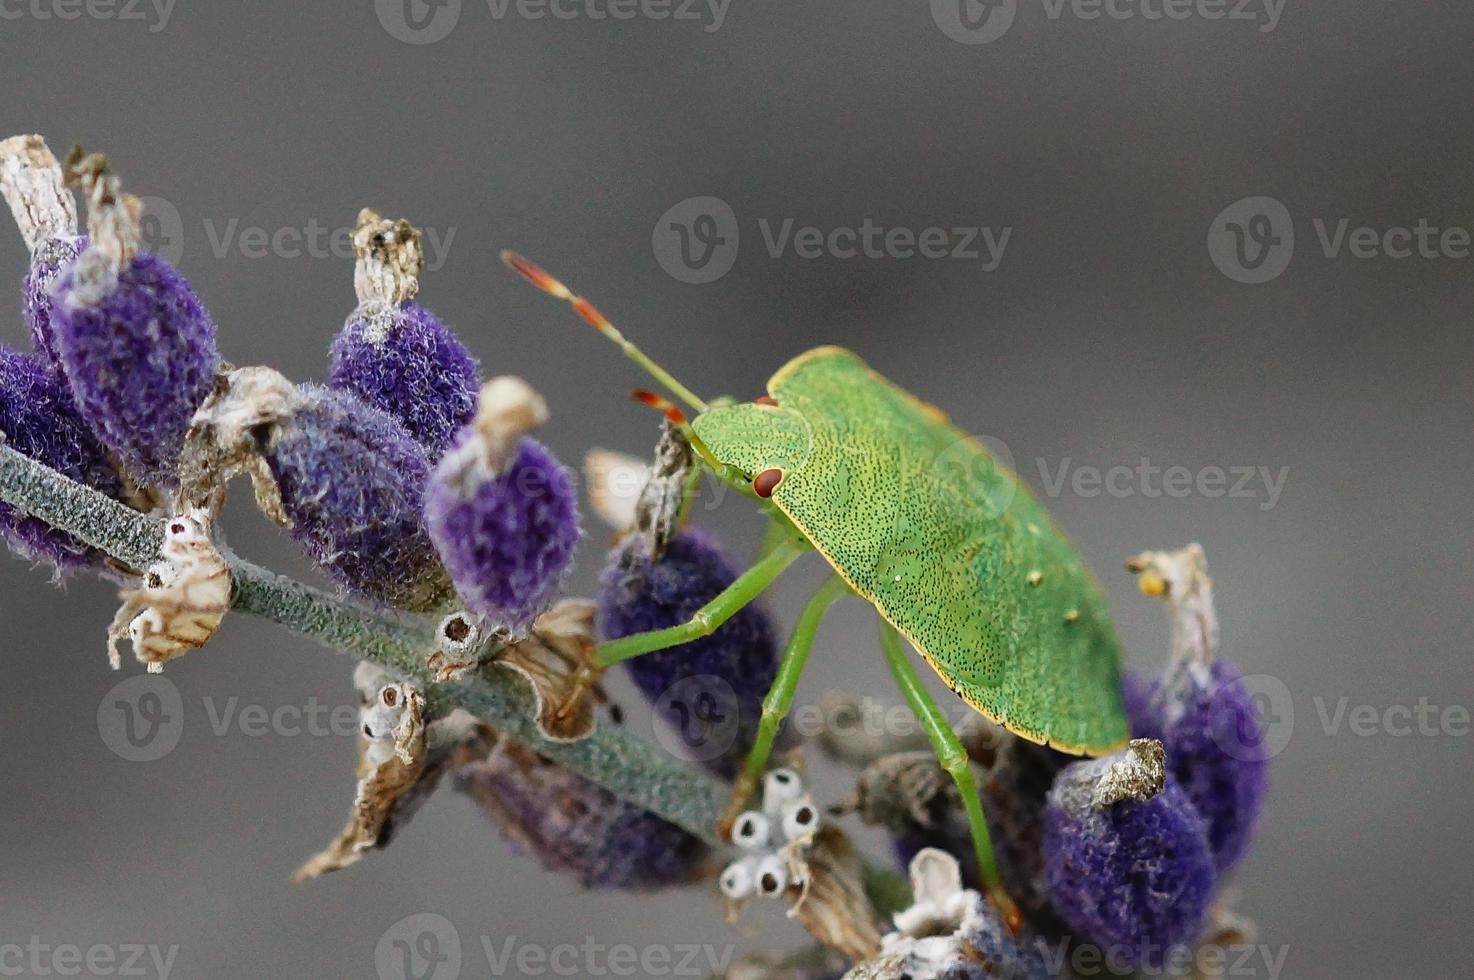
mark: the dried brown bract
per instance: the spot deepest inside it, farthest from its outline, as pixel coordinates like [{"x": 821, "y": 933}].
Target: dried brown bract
[
  {"x": 401, "y": 759},
  {"x": 181, "y": 600}
]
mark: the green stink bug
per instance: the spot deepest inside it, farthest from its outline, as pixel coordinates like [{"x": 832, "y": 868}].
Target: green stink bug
[{"x": 922, "y": 522}]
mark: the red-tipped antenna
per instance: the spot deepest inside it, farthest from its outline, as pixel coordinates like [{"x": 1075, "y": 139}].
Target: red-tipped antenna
[
  {"x": 677, "y": 418},
  {"x": 545, "y": 281}
]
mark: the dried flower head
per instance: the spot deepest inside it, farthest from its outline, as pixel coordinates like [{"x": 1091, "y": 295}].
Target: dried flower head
[
  {"x": 949, "y": 933},
  {"x": 136, "y": 344},
  {"x": 34, "y": 186},
  {"x": 38, "y": 419},
  {"x": 791, "y": 853},
  {"x": 1201, "y": 710},
  {"x": 181, "y": 600},
  {"x": 402, "y": 756},
  {"x": 574, "y": 827},
  {"x": 639, "y": 592},
  {"x": 345, "y": 478},
  {"x": 502, "y": 511},
  {"x": 1126, "y": 856},
  {"x": 395, "y": 354}
]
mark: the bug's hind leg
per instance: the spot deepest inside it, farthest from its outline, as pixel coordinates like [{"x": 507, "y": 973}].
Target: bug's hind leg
[
  {"x": 953, "y": 758},
  {"x": 780, "y": 697},
  {"x": 727, "y": 603}
]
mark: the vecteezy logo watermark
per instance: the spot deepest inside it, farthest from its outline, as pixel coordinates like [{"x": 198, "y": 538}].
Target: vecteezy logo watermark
[
  {"x": 38, "y": 959},
  {"x": 428, "y": 21},
  {"x": 163, "y": 233},
  {"x": 1252, "y": 240},
  {"x": 418, "y": 21},
  {"x": 702, "y": 717},
  {"x": 424, "y": 946},
  {"x": 974, "y": 21},
  {"x": 982, "y": 21},
  {"x": 140, "y": 719},
  {"x": 427, "y": 946},
  {"x": 155, "y": 12},
  {"x": 696, "y": 241}
]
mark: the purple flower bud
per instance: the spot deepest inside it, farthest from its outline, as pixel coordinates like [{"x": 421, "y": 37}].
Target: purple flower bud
[
  {"x": 135, "y": 342},
  {"x": 1200, "y": 709},
  {"x": 1126, "y": 856},
  {"x": 1215, "y": 748},
  {"x": 34, "y": 186},
  {"x": 351, "y": 483},
  {"x": 395, "y": 354},
  {"x": 502, "y": 512},
  {"x": 575, "y": 827},
  {"x": 37, "y": 419},
  {"x": 637, "y": 594}
]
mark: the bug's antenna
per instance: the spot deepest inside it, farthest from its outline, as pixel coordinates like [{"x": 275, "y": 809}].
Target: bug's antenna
[
  {"x": 677, "y": 418},
  {"x": 540, "y": 278}
]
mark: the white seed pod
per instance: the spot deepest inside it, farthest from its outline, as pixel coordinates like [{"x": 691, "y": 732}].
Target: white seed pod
[
  {"x": 752, "y": 830},
  {"x": 800, "y": 819},
  {"x": 779, "y": 787},
  {"x": 739, "y": 878},
  {"x": 386, "y": 719},
  {"x": 181, "y": 602},
  {"x": 771, "y": 876}
]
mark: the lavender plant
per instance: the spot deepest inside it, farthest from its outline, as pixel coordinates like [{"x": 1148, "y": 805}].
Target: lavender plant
[{"x": 447, "y": 533}]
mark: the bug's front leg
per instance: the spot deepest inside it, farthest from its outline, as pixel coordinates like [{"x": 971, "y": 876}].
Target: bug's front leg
[
  {"x": 780, "y": 697},
  {"x": 954, "y": 759},
  {"x": 727, "y": 603}
]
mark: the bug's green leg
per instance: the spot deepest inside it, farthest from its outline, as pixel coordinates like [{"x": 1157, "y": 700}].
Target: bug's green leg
[
  {"x": 953, "y": 758},
  {"x": 780, "y": 696},
  {"x": 708, "y": 618}
]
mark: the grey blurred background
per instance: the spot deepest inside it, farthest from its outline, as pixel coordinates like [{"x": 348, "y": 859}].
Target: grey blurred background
[{"x": 1106, "y": 334}]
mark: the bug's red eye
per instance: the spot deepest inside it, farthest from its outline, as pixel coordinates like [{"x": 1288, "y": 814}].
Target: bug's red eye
[
  {"x": 765, "y": 400},
  {"x": 766, "y": 482}
]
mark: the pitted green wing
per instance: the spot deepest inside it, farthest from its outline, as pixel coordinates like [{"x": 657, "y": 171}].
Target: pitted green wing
[{"x": 951, "y": 548}]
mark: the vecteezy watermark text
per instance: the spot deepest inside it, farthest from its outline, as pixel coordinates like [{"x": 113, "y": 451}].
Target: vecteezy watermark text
[
  {"x": 983, "y": 21},
  {"x": 427, "y": 946},
  {"x": 165, "y": 234},
  {"x": 1253, "y": 239},
  {"x": 429, "y": 21},
  {"x": 35, "y": 958},
  {"x": 1152, "y": 480},
  {"x": 155, "y": 12},
  {"x": 696, "y": 240}
]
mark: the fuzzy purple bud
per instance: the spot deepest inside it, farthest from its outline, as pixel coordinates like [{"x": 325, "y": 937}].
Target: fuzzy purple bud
[
  {"x": 1200, "y": 709},
  {"x": 575, "y": 827},
  {"x": 395, "y": 354},
  {"x": 502, "y": 511},
  {"x": 1210, "y": 727},
  {"x": 134, "y": 340},
  {"x": 1127, "y": 866},
  {"x": 351, "y": 483},
  {"x": 37, "y": 419},
  {"x": 403, "y": 360},
  {"x": 637, "y": 594}
]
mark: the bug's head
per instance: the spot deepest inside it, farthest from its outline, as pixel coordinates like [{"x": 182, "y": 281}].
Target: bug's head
[{"x": 756, "y": 442}]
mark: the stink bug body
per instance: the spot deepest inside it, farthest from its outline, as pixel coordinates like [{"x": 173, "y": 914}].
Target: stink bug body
[{"x": 919, "y": 520}]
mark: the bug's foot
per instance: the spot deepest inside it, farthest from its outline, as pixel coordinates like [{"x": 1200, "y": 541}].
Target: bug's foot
[{"x": 1008, "y": 910}]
